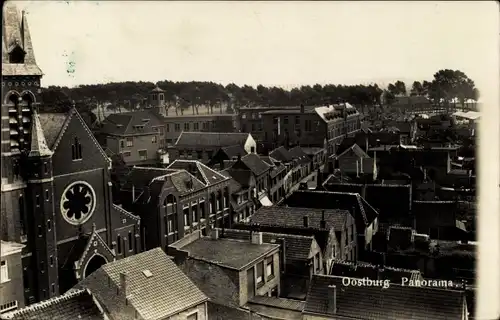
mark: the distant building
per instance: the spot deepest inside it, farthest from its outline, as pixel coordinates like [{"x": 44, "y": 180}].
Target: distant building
[
  {"x": 136, "y": 135},
  {"x": 202, "y": 146},
  {"x": 310, "y": 127}
]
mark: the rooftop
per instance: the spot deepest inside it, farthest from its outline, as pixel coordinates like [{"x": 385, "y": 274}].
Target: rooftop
[
  {"x": 7, "y": 248},
  {"x": 374, "y": 302},
  {"x": 232, "y": 254},
  {"x": 156, "y": 287},
  {"x": 75, "y": 304},
  {"x": 199, "y": 170},
  {"x": 215, "y": 139},
  {"x": 294, "y": 217}
]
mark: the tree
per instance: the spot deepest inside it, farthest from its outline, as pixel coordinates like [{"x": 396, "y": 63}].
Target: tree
[
  {"x": 400, "y": 88},
  {"x": 417, "y": 89},
  {"x": 451, "y": 84},
  {"x": 392, "y": 89}
]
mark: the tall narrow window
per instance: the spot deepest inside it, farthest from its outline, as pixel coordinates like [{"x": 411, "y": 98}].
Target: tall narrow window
[
  {"x": 42, "y": 266},
  {"x": 76, "y": 150},
  {"x": 45, "y": 167},
  {"x": 119, "y": 245},
  {"x": 37, "y": 200},
  {"x": 53, "y": 288},
  {"x": 47, "y": 195},
  {"x": 39, "y": 230},
  {"x": 130, "y": 246},
  {"x": 4, "y": 271},
  {"x": 21, "y": 215},
  {"x": 49, "y": 225},
  {"x": 51, "y": 261}
]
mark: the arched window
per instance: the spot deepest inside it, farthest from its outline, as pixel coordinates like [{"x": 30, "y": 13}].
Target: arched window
[{"x": 76, "y": 150}]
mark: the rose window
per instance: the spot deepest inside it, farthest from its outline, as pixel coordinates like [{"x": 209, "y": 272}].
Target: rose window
[{"x": 77, "y": 202}]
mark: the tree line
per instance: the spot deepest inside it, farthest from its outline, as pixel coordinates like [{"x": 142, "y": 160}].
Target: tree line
[{"x": 446, "y": 85}]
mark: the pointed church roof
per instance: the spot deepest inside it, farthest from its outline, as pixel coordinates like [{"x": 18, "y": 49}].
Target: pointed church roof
[
  {"x": 157, "y": 89},
  {"x": 16, "y": 33},
  {"x": 39, "y": 147}
]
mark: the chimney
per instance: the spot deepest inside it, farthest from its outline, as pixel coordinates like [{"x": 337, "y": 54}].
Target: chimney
[
  {"x": 214, "y": 233},
  {"x": 282, "y": 243},
  {"x": 301, "y": 108},
  {"x": 366, "y": 144},
  {"x": 123, "y": 284},
  {"x": 322, "y": 223},
  {"x": 256, "y": 237},
  {"x": 357, "y": 168},
  {"x": 306, "y": 221},
  {"x": 332, "y": 299}
]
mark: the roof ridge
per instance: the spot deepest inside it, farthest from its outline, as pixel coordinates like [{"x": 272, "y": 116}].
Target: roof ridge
[
  {"x": 129, "y": 214},
  {"x": 37, "y": 306}
]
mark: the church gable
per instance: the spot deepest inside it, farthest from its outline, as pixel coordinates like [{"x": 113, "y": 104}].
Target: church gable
[{"x": 76, "y": 149}]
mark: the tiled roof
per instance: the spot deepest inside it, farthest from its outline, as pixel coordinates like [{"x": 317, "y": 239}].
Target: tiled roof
[
  {"x": 184, "y": 182},
  {"x": 356, "y": 150},
  {"x": 243, "y": 177},
  {"x": 393, "y": 303},
  {"x": 75, "y": 304},
  {"x": 199, "y": 170},
  {"x": 211, "y": 139},
  {"x": 294, "y": 217},
  {"x": 52, "y": 124},
  {"x": 234, "y": 151},
  {"x": 281, "y": 303},
  {"x": 255, "y": 164},
  {"x": 233, "y": 184},
  {"x": 124, "y": 123},
  {"x": 281, "y": 154},
  {"x": 231, "y": 254},
  {"x": 139, "y": 177},
  {"x": 165, "y": 293},
  {"x": 336, "y": 200},
  {"x": 296, "y": 247}
]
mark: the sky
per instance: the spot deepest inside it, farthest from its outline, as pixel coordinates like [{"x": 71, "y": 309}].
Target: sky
[{"x": 271, "y": 43}]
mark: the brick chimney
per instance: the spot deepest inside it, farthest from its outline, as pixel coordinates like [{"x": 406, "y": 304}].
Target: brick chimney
[
  {"x": 323, "y": 221},
  {"x": 256, "y": 237},
  {"x": 123, "y": 284},
  {"x": 214, "y": 234},
  {"x": 306, "y": 221},
  {"x": 332, "y": 299}
]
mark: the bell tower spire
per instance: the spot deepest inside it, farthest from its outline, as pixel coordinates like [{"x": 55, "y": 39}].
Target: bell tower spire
[{"x": 39, "y": 147}]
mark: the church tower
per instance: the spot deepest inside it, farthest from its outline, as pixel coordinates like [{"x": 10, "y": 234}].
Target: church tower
[
  {"x": 20, "y": 85},
  {"x": 156, "y": 100},
  {"x": 41, "y": 213}
]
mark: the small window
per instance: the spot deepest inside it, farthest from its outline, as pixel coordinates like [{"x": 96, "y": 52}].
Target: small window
[
  {"x": 47, "y": 195},
  {"x": 76, "y": 150},
  {"x": 122, "y": 144},
  {"x": 49, "y": 225},
  {"x": 193, "y": 316},
  {"x": 186, "y": 126},
  {"x": 130, "y": 243},
  {"x": 42, "y": 266},
  {"x": 40, "y": 231},
  {"x": 130, "y": 142},
  {"x": 177, "y": 127},
  {"x": 260, "y": 272},
  {"x": 4, "y": 272},
  {"x": 53, "y": 288},
  {"x": 196, "y": 126},
  {"x": 37, "y": 200},
  {"x": 143, "y": 154},
  {"x": 51, "y": 261},
  {"x": 154, "y": 139},
  {"x": 45, "y": 167},
  {"x": 119, "y": 244},
  {"x": 269, "y": 267},
  {"x": 127, "y": 154}
]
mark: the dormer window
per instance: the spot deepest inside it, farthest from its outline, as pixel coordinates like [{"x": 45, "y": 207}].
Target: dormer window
[{"x": 16, "y": 53}]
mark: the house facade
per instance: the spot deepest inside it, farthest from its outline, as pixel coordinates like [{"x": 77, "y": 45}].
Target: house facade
[{"x": 11, "y": 277}]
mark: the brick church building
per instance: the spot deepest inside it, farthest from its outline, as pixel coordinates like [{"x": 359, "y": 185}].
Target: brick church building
[{"x": 56, "y": 190}]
